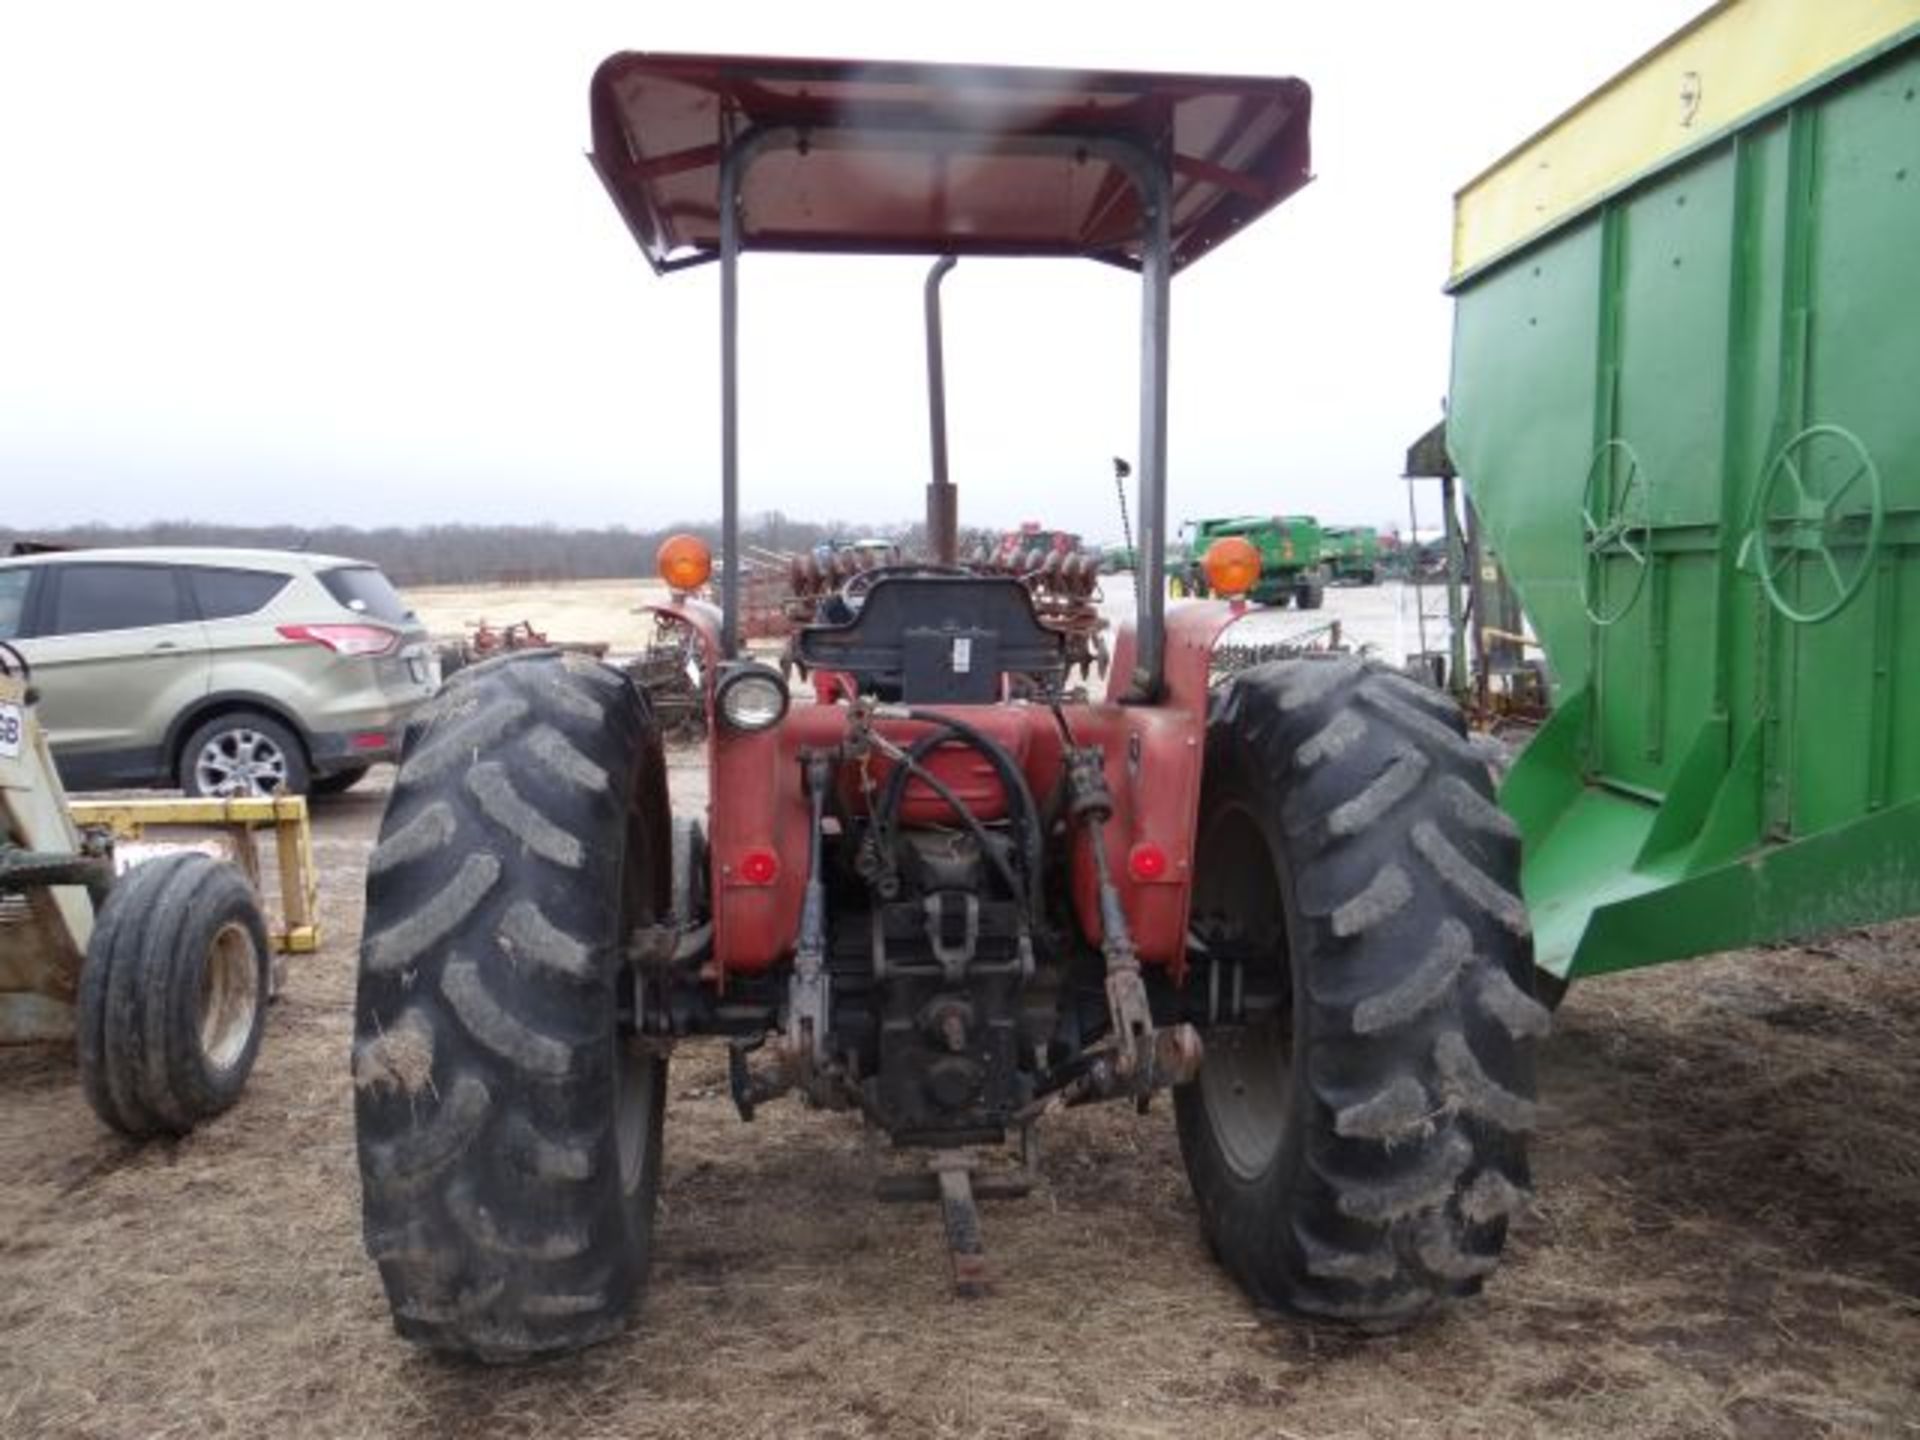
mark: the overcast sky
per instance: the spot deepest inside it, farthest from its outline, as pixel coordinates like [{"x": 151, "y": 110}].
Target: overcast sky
[{"x": 347, "y": 264}]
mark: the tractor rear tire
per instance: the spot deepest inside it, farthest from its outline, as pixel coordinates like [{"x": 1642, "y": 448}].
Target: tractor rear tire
[
  {"x": 1357, "y": 1152},
  {"x": 173, "y": 995},
  {"x": 508, "y": 1118}
]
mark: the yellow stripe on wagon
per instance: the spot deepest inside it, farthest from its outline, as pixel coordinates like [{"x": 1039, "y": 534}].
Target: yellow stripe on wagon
[{"x": 1736, "y": 58}]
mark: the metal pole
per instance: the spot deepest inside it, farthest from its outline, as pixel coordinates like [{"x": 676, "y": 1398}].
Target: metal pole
[
  {"x": 731, "y": 166},
  {"x": 1456, "y": 568},
  {"x": 1156, "y": 274},
  {"x": 1413, "y": 566},
  {"x": 943, "y": 519},
  {"x": 1483, "y": 606}
]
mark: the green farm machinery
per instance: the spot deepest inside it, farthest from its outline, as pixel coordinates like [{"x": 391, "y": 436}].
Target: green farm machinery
[
  {"x": 1352, "y": 554},
  {"x": 1686, "y": 343},
  {"x": 1293, "y": 557}
]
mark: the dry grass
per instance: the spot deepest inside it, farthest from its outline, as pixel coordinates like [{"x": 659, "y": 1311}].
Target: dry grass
[{"x": 1724, "y": 1245}]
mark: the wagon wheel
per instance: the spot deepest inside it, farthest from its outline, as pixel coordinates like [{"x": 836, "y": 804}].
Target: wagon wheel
[
  {"x": 1613, "y": 521},
  {"x": 1797, "y": 513}
]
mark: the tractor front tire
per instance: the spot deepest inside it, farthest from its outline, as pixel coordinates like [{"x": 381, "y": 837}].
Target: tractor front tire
[
  {"x": 508, "y": 1118},
  {"x": 173, "y": 995},
  {"x": 1356, "y": 1151}
]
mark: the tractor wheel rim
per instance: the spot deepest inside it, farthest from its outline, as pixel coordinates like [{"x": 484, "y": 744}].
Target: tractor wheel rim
[
  {"x": 240, "y": 762},
  {"x": 633, "y": 1079},
  {"x": 1246, "y": 1081},
  {"x": 229, "y": 995},
  {"x": 1247, "y": 1088}
]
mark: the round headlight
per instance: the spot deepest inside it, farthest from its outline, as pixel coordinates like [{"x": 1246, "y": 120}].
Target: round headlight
[{"x": 752, "y": 698}]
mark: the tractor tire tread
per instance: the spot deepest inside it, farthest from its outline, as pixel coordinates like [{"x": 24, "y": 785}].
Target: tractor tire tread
[
  {"x": 1404, "y": 1156},
  {"x": 486, "y": 1017}
]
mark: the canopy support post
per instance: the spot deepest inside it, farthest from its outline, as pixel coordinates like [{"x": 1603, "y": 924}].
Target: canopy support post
[
  {"x": 1156, "y": 292},
  {"x": 732, "y": 165},
  {"x": 943, "y": 512}
]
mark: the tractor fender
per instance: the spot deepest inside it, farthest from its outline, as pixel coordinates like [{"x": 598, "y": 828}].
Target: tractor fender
[
  {"x": 704, "y": 620},
  {"x": 1193, "y": 630}
]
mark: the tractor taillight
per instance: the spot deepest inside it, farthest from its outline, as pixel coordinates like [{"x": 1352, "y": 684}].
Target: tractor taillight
[
  {"x": 1147, "y": 862},
  {"x": 343, "y": 639},
  {"x": 759, "y": 867}
]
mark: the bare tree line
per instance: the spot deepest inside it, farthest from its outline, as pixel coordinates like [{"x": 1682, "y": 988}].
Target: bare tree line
[{"x": 469, "y": 554}]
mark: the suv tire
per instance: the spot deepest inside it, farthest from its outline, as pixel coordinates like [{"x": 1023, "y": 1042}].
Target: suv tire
[{"x": 243, "y": 753}]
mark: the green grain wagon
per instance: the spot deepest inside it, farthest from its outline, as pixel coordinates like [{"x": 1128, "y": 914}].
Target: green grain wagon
[
  {"x": 1686, "y": 401},
  {"x": 1293, "y": 562},
  {"x": 1353, "y": 553}
]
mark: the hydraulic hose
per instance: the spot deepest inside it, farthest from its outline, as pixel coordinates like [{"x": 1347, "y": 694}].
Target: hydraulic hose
[{"x": 948, "y": 730}]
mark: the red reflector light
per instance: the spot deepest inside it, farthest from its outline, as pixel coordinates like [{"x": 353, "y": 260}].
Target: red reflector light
[
  {"x": 369, "y": 740},
  {"x": 343, "y": 639},
  {"x": 759, "y": 867},
  {"x": 1147, "y": 861}
]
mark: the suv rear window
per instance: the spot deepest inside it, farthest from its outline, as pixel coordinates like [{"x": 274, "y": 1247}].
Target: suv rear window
[
  {"x": 366, "y": 591},
  {"x": 223, "y": 594},
  {"x": 90, "y": 598},
  {"x": 13, "y": 600}
]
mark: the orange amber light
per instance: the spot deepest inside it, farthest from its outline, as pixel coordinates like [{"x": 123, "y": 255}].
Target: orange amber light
[
  {"x": 1232, "y": 566},
  {"x": 684, "y": 561}
]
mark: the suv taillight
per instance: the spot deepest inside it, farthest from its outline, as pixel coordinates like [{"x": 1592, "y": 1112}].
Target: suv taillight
[{"x": 343, "y": 639}]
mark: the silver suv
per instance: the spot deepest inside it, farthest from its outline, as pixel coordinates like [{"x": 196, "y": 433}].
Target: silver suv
[{"x": 225, "y": 672}]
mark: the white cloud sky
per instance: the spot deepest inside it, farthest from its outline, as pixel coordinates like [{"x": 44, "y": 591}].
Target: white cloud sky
[{"x": 347, "y": 264}]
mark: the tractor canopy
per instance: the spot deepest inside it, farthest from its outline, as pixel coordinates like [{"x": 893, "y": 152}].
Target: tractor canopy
[
  {"x": 708, "y": 157},
  {"x": 923, "y": 159}
]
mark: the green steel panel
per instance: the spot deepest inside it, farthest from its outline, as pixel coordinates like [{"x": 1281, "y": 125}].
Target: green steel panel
[
  {"x": 1524, "y": 375},
  {"x": 1689, "y": 422},
  {"x": 1864, "y": 365}
]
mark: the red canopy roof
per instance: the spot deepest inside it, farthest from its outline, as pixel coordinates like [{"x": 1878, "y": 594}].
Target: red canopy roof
[{"x": 937, "y": 159}]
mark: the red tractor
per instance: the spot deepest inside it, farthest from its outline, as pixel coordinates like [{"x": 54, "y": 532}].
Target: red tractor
[{"x": 963, "y": 893}]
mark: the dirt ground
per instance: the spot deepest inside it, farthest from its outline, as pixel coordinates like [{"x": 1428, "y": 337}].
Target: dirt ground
[
  {"x": 1724, "y": 1244},
  {"x": 1724, "y": 1241}
]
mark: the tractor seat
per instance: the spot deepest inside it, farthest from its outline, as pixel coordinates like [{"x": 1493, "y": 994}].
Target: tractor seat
[{"x": 939, "y": 640}]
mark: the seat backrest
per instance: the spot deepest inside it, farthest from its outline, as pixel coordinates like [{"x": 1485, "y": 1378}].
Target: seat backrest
[{"x": 939, "y": 639}]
